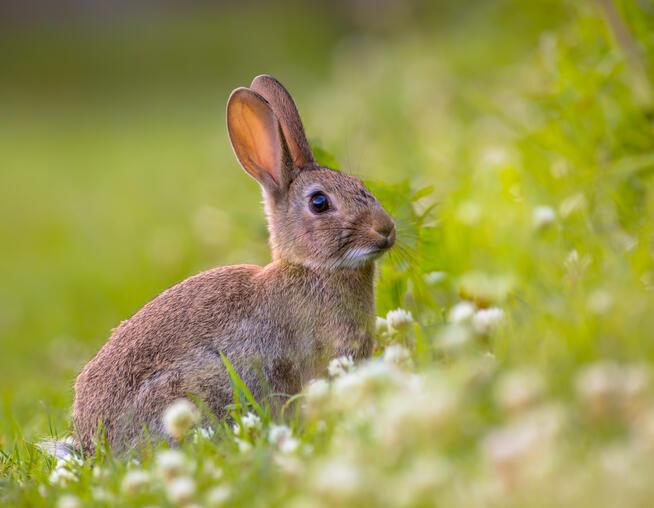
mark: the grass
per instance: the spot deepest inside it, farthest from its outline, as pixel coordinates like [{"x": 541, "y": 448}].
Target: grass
[{"x": 514, "y": 148}]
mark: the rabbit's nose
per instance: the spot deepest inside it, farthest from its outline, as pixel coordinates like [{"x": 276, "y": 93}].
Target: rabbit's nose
[{"x": 385, "y": 228}]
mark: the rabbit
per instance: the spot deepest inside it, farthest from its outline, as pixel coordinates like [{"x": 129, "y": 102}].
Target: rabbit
[{"x": 279, "y": 325}]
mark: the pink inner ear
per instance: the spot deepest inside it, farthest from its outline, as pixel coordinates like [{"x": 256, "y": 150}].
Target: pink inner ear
[{"x": 255, "y": 136}]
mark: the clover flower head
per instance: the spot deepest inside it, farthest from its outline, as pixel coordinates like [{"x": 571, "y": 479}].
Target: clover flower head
[
  {"x": 462, "y": 312},
  {"x": 181, "y": 490},
  {"x": 485, "y": 321},
  {"x": 399, "y": 320},
  {"x": 340, "y": 366},
  {"x": 135, "y": 481},
  {"x": 171, "y": 464},
  {"x": 180, "y": 417}
]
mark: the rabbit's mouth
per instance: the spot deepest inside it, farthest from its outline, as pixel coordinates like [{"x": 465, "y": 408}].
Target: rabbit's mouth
[{"x": 359, "y": 256}]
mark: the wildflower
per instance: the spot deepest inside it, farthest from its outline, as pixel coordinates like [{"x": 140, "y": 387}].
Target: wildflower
[
  {"x": 317, "y": 391},
  {"x": 486, "y": 320},
  {"x": 399, "y": 320},
  {"x": 454, "y": 337},
  {"x": 179, "y": 417},
  {"x": 69, "y": 501},
  {"x": 518, "y": 390},
  {"x": 101, "y": 495},
  {"x": 381, "y": 326},
  {"x": 99, "y": 473},
  {"x": 61, "y": 476},
  {"x": 210, "y": 469},
  {"x": 171, "y": 464},
  {"x": 203, "y": 434},
  {"x": 218, "y": 496},
  {"x": 181, "y": 490},
  {"x": 339, "y": 366},
  {"x": 282, "y": 437},
  {"x": 434, "y": 278},
  {"x": 543, "y": 216},
  {"x": 251, "y": 421},
  {"x": 135, "y": 481},
  {"x": 243, "y": 446},
  {"x": 461, "y": 312},
  {"x": 397, "y": 355},
  {"x": 346, "y": 387},
  {"x": 424, "y": 409},
  {"x": 525, "y": 447},
  {"x": 598, "y": 386},
  {"x": 420, "y": 481},
  {"x": 337, "y": 477}
]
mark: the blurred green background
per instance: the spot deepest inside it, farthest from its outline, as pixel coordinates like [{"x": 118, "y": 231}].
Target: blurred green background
[{"x": 117, "y": 179}]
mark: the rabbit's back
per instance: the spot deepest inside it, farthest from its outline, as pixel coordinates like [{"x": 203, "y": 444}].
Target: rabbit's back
[{"x": 168, "y": 349}]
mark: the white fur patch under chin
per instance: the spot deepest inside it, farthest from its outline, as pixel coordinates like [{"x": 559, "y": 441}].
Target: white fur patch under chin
[{"x": 354, "y": 258}]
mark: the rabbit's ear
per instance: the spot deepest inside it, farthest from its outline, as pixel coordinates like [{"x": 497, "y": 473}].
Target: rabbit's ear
[
  {"x": 257, "y": 139},
  {"x": 283, "y": 106}
]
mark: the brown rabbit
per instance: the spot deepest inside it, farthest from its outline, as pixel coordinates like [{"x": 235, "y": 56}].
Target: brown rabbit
[{"x": 278, "y": 325}]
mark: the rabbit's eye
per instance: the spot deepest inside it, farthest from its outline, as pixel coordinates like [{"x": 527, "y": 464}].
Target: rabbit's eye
[{"x": 318, "y": 202}]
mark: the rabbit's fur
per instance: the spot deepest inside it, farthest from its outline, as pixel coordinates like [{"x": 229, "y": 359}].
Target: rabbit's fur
[{"x": 278, "y": 325}]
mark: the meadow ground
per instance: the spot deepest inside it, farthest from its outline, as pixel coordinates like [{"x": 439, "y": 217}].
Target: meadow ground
[{"x": 514, "y": 146}]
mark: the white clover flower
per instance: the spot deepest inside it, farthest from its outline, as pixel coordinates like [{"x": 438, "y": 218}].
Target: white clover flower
[
  {"x": 181, "y": 490},
  {"x": 525, "y": 447},
  {"x": 420, "y": 481},
  {"x": 543, "y": 216},
  {"x": 399, "y": 320},
  {"x": 210, "y": 469},
  {"x": 340, "y": 366},
  {"x": 317, "y": 391},
  {"x": 61, "y": 476},
  {"x": 69, "y": 501},
  {"x": 414, "y": 412},
  {"x": 396, "y": 354},
  {"x": 101, "y": 495},
  {"x": 218, "y": 496},
  {"x": 347, "y": 384},
  {"x": 171, "y": 464},
  {"x": 135, "y": 481},
  {"x": 434, "y": 278},
  {"x": 519, "y": 390},
  {"x": 453, "y": 337},
  {"x": 203, "y": 434},
  {"x": 598, "y": 386},
  {"x": 461, "y": 312},
  {"x": 381, "y": 325},
  {"x": 336, "y": 477},
  {"x": 180, "y": 417},
  {"x": 99, "y": 473},
  {"x": 486, "y": 320},
  {"x": 251, "y": 421},
  {"x": 281, "y": 436},
  {"x": 243, "y": 446},
  {"x": 278, "y": 433}
]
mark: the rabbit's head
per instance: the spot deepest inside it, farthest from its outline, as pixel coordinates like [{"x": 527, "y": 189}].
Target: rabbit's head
[{"x": 317, "y": 217}]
